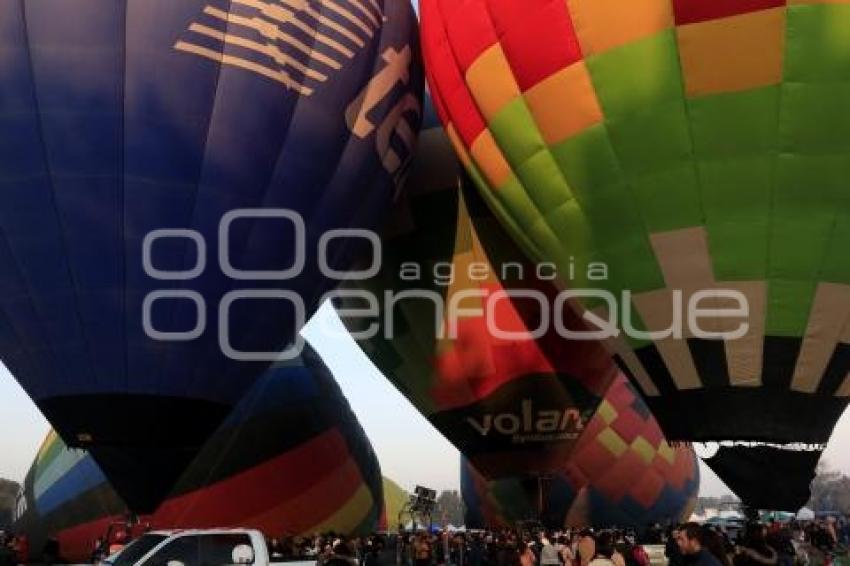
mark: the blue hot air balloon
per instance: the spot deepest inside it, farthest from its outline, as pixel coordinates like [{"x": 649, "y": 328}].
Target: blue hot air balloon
[{"x": 168, "y": 170}]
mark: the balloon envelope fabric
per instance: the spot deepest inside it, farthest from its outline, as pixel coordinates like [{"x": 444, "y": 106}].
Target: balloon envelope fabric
[
  {"x": 160, "y": 156},
  {"x": 767, "y": 477},
  {"x": 623, "y": 473},
  {"x": 291, "y": 459},
  {"x": 462, "y": 349},
  {"x": 687, "y": 145}
]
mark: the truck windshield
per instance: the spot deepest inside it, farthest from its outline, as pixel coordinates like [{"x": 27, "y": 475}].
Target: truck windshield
[{"x": 135, "y": 550}]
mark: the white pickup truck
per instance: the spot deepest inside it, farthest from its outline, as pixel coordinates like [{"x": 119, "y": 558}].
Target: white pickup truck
[{"x": 207, "y": 547}]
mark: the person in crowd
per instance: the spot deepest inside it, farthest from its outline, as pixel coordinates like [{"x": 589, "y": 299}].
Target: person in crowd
[
  {"x": 586, "y": 548},
  {"x": 672, "y": 550},
  {"x": 22, "y": 548},
  {"x": 439, "y": 550},
  {"x": 373, "y": 551},
  {"x": 338, "y": 553},
  {"x": 844, "y": 531},
  {"x": 604, "y": 550},
  {"x": 7, "y": 552},
  {"x": 654, "y": 534},
  {"x": 635, "y": 554},
  {"x": 818, "y": 537},
  {"x": 525, "y": 556},
  {"x": 831, "y": 529},
  {"x": 477, "y": 554},
  {"x": 715, "y": 543},
  {"x": 690, "y": 540},
  {"x": 507, "y": 548},
  {"x": 780, "y": 539},
  {"x": 548, "y": 553},
  {"x": 422, "y": 551},
  {"x": 621, "y": 548},
  {"x": 489, "y": 549},
  {"x": 565, "y": 550},
  {"x": 754, "y": 549}
]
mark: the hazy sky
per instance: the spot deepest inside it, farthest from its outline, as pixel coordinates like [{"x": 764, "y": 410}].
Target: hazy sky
[{"x": 411, "y": 451}]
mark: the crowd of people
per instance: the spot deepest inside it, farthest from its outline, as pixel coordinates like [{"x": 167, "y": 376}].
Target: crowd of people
[
  {"x": 475, "y": 548},
  {"x": 12, "y": 548},
  {"x": 758, "y": 544},
  {"x": 774, "y": 544},
  {"x": 813, "y": 543}
]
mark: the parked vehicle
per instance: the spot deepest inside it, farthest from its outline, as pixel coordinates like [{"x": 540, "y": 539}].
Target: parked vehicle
[{"x": 195, "y": 547}]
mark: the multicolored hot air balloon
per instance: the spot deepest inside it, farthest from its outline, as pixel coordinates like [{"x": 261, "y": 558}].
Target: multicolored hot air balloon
[
  {"x": 687, "y": 145},
  {"x": 168, "y": 171},
  {"x": 481, "y": 364},
  {"x": 291, "y": 459},
  {"x": 395, "y": 498},
  {"x": 622, "y": 473}
]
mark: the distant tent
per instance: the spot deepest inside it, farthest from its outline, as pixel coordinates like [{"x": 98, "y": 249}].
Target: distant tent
[{"x": 805, "y": 514}]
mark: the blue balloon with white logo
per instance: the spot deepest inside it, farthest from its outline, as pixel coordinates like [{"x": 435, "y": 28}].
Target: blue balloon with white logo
[{"x": 180, "y": 183}]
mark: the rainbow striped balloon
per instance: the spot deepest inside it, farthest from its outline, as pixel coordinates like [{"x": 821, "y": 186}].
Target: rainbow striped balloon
[{"x": 291, "y": 460}]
